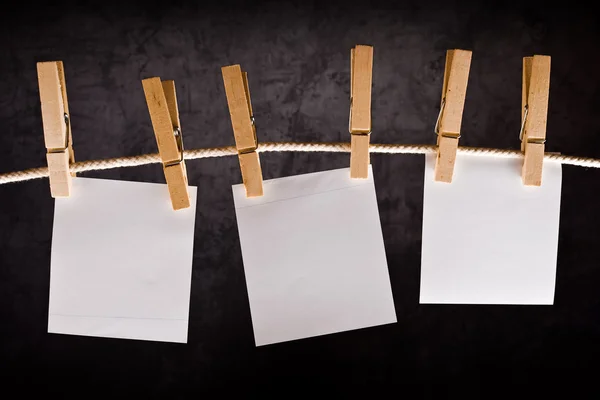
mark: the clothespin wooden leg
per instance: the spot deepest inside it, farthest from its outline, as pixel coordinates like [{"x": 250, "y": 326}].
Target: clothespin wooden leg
[
  {"x": 446, "y": 157},
  {"x": 359, "y": 156},
  {"x": 57, "y": 126},
  {"x": 454, "y": 91},
  {"x": 251, "y": 173},
  {"x": 244, "y": 129},
  {"x": 162, "y": 105},
  {"x": 361, "y": 78},
  {"x": 536, "y": 91}
]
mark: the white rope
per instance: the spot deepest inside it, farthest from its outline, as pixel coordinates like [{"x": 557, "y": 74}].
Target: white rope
[{"x": 95, "y": 165}]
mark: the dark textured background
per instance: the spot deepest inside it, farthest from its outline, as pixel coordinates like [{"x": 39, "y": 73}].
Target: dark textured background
[{"x": 297, "y": 58}]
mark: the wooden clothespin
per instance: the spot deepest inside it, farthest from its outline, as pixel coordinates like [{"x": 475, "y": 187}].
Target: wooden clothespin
[
  {"x": 454, "y": 91},
  {"x": 536, "y": 90},
  {"x": 164, "y": 113},
  {"x": 57, "y": 126},
  {"x": 244, "y": 129},
  {"x": 361, "y": 78}
]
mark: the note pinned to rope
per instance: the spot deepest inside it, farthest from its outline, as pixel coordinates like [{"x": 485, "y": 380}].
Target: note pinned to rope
[
  {"x": 121, "y": 262},
  {"x": 487, "y": 238},
  {"x": 313, "y": 256}
]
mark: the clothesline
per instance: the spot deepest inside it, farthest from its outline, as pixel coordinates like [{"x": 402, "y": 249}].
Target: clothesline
[{"x": 96, "y": 165}]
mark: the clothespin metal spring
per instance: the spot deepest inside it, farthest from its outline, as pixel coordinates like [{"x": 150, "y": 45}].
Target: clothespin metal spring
[
  {"x": 67, "y": 137},
  {"x": 536, "y": 141},
  {"x": 437, "y": 124},
  {"x": 179, "y": 140}
]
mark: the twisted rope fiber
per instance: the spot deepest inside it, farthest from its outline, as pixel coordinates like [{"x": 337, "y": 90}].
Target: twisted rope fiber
[{"x": 96, "y": 165}]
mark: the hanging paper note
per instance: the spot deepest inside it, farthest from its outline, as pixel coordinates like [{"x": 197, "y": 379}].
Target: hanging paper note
[
  {"x": 487, "y": 238},
  {"x": 121, "y": 262},
  {"x": 313, "y": 256}
]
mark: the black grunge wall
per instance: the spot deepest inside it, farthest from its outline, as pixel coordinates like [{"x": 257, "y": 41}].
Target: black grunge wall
[{"x": 297, "y": 56}]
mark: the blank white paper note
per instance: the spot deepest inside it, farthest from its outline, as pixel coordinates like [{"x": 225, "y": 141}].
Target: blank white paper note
[
  {"x": 487, "y": 238},
  {"x": 313, "y": 256},
  {"x": 121, "y": 262}
]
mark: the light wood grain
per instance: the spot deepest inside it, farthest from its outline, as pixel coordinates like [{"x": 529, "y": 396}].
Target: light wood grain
[
  {"x": 359, "y": 156},
  {"x": 161, "y": 98},
  {"x": 535, "y": 95},
  {"x": 537, "y": 98},
  {"x": 446, "y": 157},
  {"x": 57, "y": 132},
  {"x": 237, "y": 91},
  {"x": 532, "y": 164},
  {"x": 251, "y": 173},
  {"x": 176, "y": 177},
  {"x": 171, "y": 98},
  {"x": 238, "y": 100},
  {"x": 525, "y": 92},
  {"x": 63, "y": 91},
  {"x": 454, "y": 91},
  {"x": 58, "y": 173},
  {"x": 53, "y": 107},
  {"x": 361, "y": 80},
  {"x": 161, "y": 120}
]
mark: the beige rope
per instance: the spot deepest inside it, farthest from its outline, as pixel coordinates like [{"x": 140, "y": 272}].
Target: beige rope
[{"x": 95, "y": 165}]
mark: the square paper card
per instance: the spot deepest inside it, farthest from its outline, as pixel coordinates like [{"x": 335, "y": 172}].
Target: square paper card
[
  {"x": 487, "y": 238},
  {"x": 121, "y": 262},
  {"x": 313, "y": 256}
]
